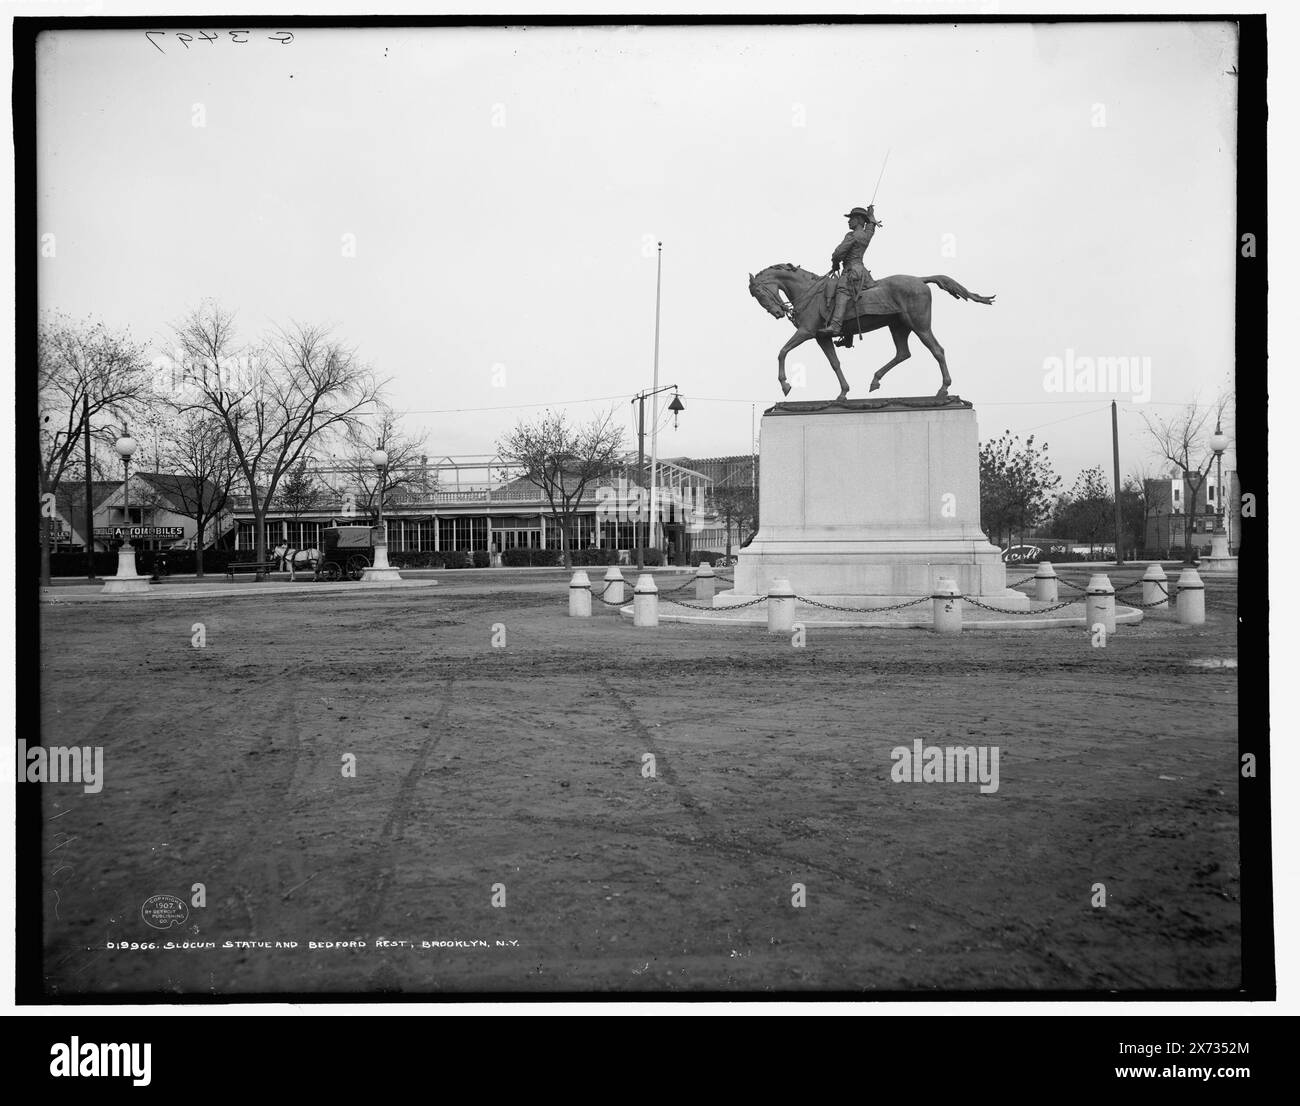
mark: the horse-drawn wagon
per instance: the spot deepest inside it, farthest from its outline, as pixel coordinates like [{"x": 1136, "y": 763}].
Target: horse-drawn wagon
[{"x": 348, "y": 551}]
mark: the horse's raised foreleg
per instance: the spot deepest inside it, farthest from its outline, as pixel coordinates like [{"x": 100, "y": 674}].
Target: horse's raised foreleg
[
  {"x": 900, "y": 331},
  {"x": 828, "y": 348},
  {"x": 800, "y": 337},
  {"x": 932, "y": 344}
]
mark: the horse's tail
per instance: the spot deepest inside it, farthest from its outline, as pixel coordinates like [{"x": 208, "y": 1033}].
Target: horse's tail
[{"x": 956, "y": 290}]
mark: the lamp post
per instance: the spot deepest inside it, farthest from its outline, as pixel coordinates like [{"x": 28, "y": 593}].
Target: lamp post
[
  {"x": 127, "y": 581},
  {"x": 1219, "y": 539},
  {"x": 676, "y": 407},
  {"x": 381, "y": 569}
]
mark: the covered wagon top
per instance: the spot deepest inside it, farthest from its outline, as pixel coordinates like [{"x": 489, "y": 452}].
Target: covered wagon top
[{"x": 348, "y": 537}]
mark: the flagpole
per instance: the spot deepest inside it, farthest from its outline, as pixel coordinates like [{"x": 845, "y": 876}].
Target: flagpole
[{"x": 654, "y": 414}]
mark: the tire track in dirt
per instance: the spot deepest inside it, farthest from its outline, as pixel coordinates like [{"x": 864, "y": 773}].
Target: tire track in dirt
[
  {"x": 399, "y": 812},
  {"x": 114, "y": 706},
  {"x": 256, "y": 872},
  {"x": 712, "y": 831},
  {"x": 988, "y": 927}
]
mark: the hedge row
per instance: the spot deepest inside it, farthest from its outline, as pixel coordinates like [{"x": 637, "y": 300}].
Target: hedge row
[
  {"x": 530, "y": 558},
  {"x": 179, "y": 562},
  {"x": 450, "y": 558},
  {"x": 699, "y": 555}
]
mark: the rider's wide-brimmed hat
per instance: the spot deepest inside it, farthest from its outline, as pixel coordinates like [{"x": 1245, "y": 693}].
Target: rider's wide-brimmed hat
[{"x": 858, "y": 211}]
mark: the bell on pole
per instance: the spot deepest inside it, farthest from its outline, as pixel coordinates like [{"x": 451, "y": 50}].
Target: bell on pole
[{"x": 676, "y": 407}]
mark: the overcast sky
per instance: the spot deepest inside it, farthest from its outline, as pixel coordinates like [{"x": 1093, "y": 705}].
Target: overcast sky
[{"x": 503, "y": 191}]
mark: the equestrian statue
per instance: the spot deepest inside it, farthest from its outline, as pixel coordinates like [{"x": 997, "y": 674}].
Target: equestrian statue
[{"x": 845, "y": 302}]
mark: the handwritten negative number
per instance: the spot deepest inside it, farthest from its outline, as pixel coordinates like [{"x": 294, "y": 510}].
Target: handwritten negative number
[{"x": 282, "y": 37}]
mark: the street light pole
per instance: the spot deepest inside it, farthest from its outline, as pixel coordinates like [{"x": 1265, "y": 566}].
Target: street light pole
[
  {"x": 676, "y": 406},
  {"x": 1219, "y": 539},
  {"x": 381, "y": 569},
  {"x": 127, "y": 580}
]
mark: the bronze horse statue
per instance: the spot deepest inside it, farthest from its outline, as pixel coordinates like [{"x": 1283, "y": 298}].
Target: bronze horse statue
[{"x": 807, "y": 306}]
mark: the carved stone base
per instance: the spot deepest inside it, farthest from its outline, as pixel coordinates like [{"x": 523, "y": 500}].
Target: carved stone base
[
  {"x": 871, "y": 498},
  {"x": 127, "y": 581}
]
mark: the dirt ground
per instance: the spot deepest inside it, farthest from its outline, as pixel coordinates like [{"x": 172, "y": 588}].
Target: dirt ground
[{"x": 517, "y": 774}]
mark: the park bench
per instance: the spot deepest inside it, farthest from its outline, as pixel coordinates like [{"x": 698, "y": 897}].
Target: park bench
[{"x": 260, "y": 567}]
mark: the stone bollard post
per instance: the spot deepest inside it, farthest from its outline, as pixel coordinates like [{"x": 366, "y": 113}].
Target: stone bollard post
[
  {"x": 614, "y": 584},
  {"x": 704, "y": 583},
  {"x": 1191, "y": 598},
  {"x": 1045, "y": 583},
  {"x": 1099, "y": 603},
  {"x": 645, "y": 601},
  {"x": 1155, "y": 589},
  {"x": 580, "y": 596},
  {"x": 780, "y": 607},
  {"x": 947, "y": 606}
]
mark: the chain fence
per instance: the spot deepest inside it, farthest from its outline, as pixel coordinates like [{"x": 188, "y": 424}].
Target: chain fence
[
  {"x": 1147, "y": 606},
  {"x": 711, "y": 607},
  {"x": 690, "y": 583},
  {"x": 1006, "y": 610},
  {"x": 707, "y": 606},
  {"x": 862, "y": 610}
]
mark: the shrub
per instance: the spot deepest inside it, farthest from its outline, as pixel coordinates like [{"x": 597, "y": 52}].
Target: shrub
[
  {"x": 585, "y": 558},
  {"x": 699, "y": 555},
  {"x": 537, "y": 558},
  {"x": 180, "y": 562},
  {"x": 651, "y": 557},
  {"x": 455, "y": 558},
  {"x": 416, "y": 559},
  {"x": 482, "y": 558}
]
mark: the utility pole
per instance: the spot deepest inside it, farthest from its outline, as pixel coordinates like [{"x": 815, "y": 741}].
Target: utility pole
[
  {"x": 654, "y": 411},
  {"x": 89, "y": 533},
  {"x": 676, "y": 407},
  {"x": 1114, "y": 441},
  {"x": 640, "y": 473}
]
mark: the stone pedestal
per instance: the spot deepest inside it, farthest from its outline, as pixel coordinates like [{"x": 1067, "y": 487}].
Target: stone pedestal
[
  {"x": 127, "y": 581},
  {"x": 381, "y": 572},
  {"x": 1219, "y": 559},
  {"x": 871, "y": 498}
]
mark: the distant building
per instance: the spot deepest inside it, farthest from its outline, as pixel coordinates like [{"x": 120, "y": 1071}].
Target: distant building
[
  {"x": 1169, "y": 510},
  {"x": 157, "y": 502},
  {"x": 738, "y": 471},
  {"x": 480, "y": 505},
  {"x": 68, "y": 525}
]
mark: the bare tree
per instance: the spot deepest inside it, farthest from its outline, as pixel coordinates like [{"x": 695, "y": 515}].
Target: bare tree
[
  {"x": 1182, "y": 440},
  {"x": 273, "y": 399},
  {"x": 405, "y": 471},
  {"x": 563, "y": 461},
  {"x": 1137, "y": 503},
  {"x": 84, "y": 370},
  {"x": 200, "y": 458},
  {"x": 302, "y": 491},
  {"x": 737, "y": 506}
]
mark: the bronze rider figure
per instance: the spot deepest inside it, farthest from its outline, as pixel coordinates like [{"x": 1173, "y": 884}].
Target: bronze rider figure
[{"x": 855, "y": 277}]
